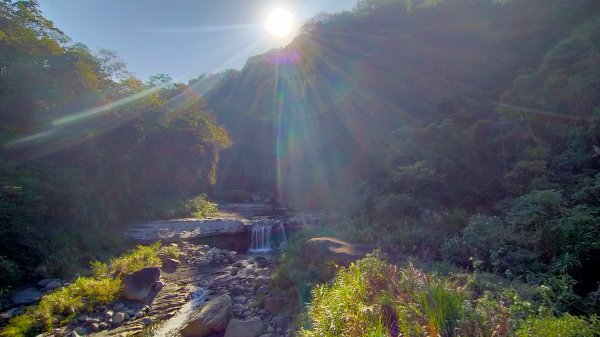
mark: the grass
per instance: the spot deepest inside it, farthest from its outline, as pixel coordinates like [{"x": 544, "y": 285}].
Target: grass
[
  {"x": 565, "y": 326},
  {"x": 374, "y": 298},
  {"x": 83, "y": 295}
]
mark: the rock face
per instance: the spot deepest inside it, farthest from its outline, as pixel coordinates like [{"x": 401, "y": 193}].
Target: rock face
[
  {"x": 183, "y": 229},
  {"x": 252, "y": 327},
  {"x": 331, "y": 249},
  {"x": 213, "y": 317},
  {"x": 139, "y": 284}
]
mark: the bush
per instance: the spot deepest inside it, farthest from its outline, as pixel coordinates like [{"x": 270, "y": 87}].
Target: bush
[
  {"x": 565, "y": 326},
  {"x": 373, "y": 296},
  {"x": 198, "y": 207}
]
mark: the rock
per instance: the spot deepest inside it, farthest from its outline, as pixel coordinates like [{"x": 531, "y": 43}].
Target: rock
[
  {"x": 95, "y": 326},
  {"x": 146, "y": 321},
  {"x": 263, "y": 290},
  {"x": 324, "y": 249},
  {"x": 253, "y": 327},
  {"x": 261, "y": 261},
  {"x": 281, "y": 321},
  {"x": 72, "y": 334},
  {"x": 212, "y": 317},
  {"x": 158, "y": 286},
  {"x": 203, "y": 262},
  {"x": 101, "y": 308},
  {"x": 140, "y": 314},
  {"x": 43, "y": 283},
  {"x": 274, "y": 305},
  {"x": 170, "y": 265},
  {"x": 26, "y": 296},
  {"x": 118, "y": 318},
  {"x": 53, "y": 284},
  {"x": 102, "y": 325},
  {"x": 238, "y": 290},
  {"x": 118, "y": 306},
  {"x": 261, "y": 281},
  {"x": 109, "y": 314},
  {"x": 139, "y": 284}
]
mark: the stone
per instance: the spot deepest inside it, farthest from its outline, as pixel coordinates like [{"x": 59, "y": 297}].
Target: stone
[
  {"x": 238, "y": 290},
  {"x": 118, "y": 318},
  {"x": 26, "y": 296},
  {"x": 139, "y": 284},
  {"x": 118, "y": 306},
  {"x": 109, "y": 314},
  {"x": 261, "y": 281},
  {"x": 53, "y": 284},
  {"x": 146, "y": 321},
  {"x": 281, "y": 321},
  {"x": 274, "y": 305},
  {"x": 140, "y": 314},
  {"x": 95, "y": 326},
  {"x": 261, "y": 261},
  {"x": 158, "y": 286},
  {"x": 170, "y": 265},
  {"x": 212, "y": 317},
  {"x": 324, "y": 249},
  {"x": 73, "y": 334},
  {"x": 101, "y": 308},
  {"x": 102, "y": 325},
  {"x": 43, "y": 283},
  {"x": 263, "y": 290},
  {"x": 252, "y": 327}
]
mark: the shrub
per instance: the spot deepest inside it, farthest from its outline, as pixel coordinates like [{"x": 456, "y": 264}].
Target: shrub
[
  {"x": 140, "y": 257},
  {"x": 565, "y": 326},
  {"x": 198, "y": 207},
  {"x": 373, "y": 296}
]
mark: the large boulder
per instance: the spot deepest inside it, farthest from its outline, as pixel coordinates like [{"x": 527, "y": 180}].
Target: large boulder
[
  {"x": 252, "y": 327},
  {"x": 212, "y": 317},
  {"x": 139, "y": 284},
  {"x": 170, "y": 265},
  {"x": 323, "y": 249}
]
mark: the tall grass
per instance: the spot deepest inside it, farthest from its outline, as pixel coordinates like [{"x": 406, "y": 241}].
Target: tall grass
[{"x": 374, "y": 298}]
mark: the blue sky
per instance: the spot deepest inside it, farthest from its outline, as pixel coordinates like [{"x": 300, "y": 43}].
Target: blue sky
[{"x": 182, "y": 38}]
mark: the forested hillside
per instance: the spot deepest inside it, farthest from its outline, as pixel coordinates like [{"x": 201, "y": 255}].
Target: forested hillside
[
  {"x": 457, "y": 129},
  {"x": 86, "y": 148}
]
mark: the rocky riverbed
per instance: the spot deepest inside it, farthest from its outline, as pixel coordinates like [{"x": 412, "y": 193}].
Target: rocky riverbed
[{"x": 239, "y": 284}]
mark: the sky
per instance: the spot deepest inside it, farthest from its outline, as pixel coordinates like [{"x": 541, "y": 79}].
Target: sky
[{"x": 181, "y": 38}]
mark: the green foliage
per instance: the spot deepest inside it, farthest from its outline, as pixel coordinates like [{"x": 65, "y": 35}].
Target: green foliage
[
  {"x": 141, "y": 256},
  {"x": 142, "y": 143},
  {"x": 373, "y": 295},
  {"x": 565, "y": 326},
  {"x": 198, "y": 207},
  {"x": 83, "y": 295},
  {"x": 170, "y": 251}
]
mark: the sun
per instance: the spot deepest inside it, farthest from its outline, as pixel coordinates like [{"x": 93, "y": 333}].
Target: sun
[{"x": 280, "y": 22}]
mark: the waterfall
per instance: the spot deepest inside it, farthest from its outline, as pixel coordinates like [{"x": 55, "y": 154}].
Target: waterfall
[{"x": 267, "y": 235}]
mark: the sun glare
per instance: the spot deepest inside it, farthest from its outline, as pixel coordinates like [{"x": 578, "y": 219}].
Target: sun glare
[{"x": 280, "y": 22}]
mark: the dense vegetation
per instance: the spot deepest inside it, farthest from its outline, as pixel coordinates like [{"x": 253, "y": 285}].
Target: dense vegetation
[
  {"x": 86, "y": 148},
  {"x": 462, "y": 130},
  {"x": 103, "y": 286}
]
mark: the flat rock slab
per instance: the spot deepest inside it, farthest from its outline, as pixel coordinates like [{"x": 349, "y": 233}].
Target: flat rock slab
[{"x": 185, "y": 229}]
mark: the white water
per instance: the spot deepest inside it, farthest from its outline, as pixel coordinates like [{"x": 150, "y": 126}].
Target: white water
[
  {"x": 263, "y": 239},
  {"x": 172, "y": 326}
]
